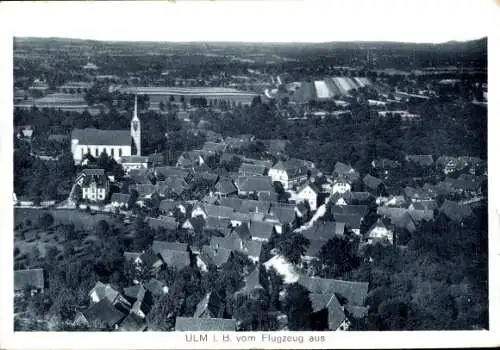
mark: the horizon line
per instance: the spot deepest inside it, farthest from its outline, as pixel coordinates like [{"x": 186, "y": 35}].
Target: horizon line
[{"x": 249, "y": 42}]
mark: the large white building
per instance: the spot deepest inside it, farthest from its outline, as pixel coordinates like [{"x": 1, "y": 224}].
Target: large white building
[{"x": 115, "y": 143}]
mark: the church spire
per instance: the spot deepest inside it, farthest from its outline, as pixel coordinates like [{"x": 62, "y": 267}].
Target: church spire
[{"x": 135, "y": 129}]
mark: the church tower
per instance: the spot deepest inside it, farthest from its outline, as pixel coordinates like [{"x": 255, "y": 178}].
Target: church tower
[{"x": 135, "y": 129}]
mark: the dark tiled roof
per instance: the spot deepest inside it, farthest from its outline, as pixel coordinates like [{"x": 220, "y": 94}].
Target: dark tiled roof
[
  {"x": 255, "y": 184},
  {"x": 293, "y": 167},
  {"x": 213, "y": 303},
  {"x": 165, "y": 222},
  {"x": 133, "y": 323},
  {"x": 455, "y": 211},
  {"x": 175, "y": 258},
  {"x": 134, "y": 159},
  {"x": 346, "y": 171},
  {"x": 225, "y": 186},
  {"x": 32, "y": 277},
  {"x": 102, "y": 137},
  {"x": 158, "y": 246},
  {"x": 261, "y": 229},
  {"x": 354, "y": 292},
  {"x": 103, "y": 314},
  {"x": 252, "y": 282},
  {"x": 360, "y": 210},
  {"x": 168, "y": 171},
  {"x": 284, "y": 215},
  {"x": 314, "y": 247},
  {"x": 191, "y": 324},
  {"x": 242, "y": 231},
  {"x": 154, "y": 286},
  {"x": 251, "y": 169},
  {"x": 252, "y": 248},
  {"x": 218, "y": 211},
  {"x": 324, "y": 230},
  {"x": 145, "y": 189},
  {"x": 230, "y": 243},
  {"x": 352, "y": 221},
  {"x": 329, "y": 302},
  {"x": 216, "y": 256},
  {"x": 167, "y": 205},
  {"x": 140, "y": 176},
  {"x": 214, "y": 147},
  {"x": 371, "y": 182},
  {"x": 245, "y": 205},
  {"x": 131, "y": 256},
  {"x": 217, "y": 224}
]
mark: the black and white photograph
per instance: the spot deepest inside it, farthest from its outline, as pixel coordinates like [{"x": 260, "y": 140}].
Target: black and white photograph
[{"x": 321, "y": 168}]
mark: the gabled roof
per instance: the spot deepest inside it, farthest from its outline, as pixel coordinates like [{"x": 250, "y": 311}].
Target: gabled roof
[
  {"x": 30, "y": 277},
  {"x": 218, "y": 211},
  {"x": 131, "y": 256},
  {"x": 346, "y": 170},
  {"x": 329, "y": 302},
  {"x": 212, "y": 302},
  {"x": 145, "y": 189},
  {"x": 158, "y": 246},
  {"x": 175, "y": 258},
  {"x": 293, "y": 167},
  {"x": 230, "y": 243},
  {"x": 133, "y": 159},
  {"x": 218, "y": 224},
  {"x": 135, "y": 292},
  {"x": 267, "y": 196},
  {"x": 455, "y": 211},
  {"x": 166, "y": 222},
  {"x": 168, "y": 205},
  {"x": 379, "y": 224},
  {"x": 215, "y": 256},
  {"x": 251, "y": 169},
  {"x": 385, "y": 163},
  {"x": 103, "y": 314},
  {"x": 173, "y": 184},
  {"x": 261, "y": 229},
  {"x": 372, "y": 182},
  {"x": 245, "y": 205},
  {"x": 150, "y": 259},
  {"x": 104, "y": 291},
  {"x": 252, "y": 282},
  {"x": 140, "y": 176},
  {"x": 214, "y": 147},
  {"x": 99, "y": 137},
  {"x": 352, "y": 221},
  {"x": 354, "y": 292},
  {"x": 133, "y": 323},
  {"x": 192, "y": 324},
  {"x": 324, "y": 230},
  {"x": 360, "y": 210},
  {"x": 225, "y": 186},
  {"x": 255, "y": 184},
  {"x": 168, "y": 171},
  {"x": 417, "y": 193},
  {"x": 358, "y": 196},
  {"x": 314, "y": 247},
  {"x": 311, "y": 186},
  {"x": 206, "y": 176},
  {"x": 285, "y": 215},
  {"x": 242, "y": 231},
  {"x": 252, "y": 248}
]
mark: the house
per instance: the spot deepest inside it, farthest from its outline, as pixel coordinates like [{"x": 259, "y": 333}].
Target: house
[
  {"x": 232, "y": 242},
  {"x": 341, "y": 185},
  {"x": 413, "y": 194},
  {"x": 222, "y": 225},
  {"x": 144, "y": 190},
  {"x": 380, "y": 232},
  {"x": 253, "y": 250},
  {"x": 30, "y": 278},
  {"x": 327, "y": 313},
  {"x": 101, "y": 315},
  {"x": 134, "y": 162},
  {"x": 158, "y": 246},
  {"x": 242, "y": 231},
  {"x": 150, "y": 262},
  {"x": 399, "y": 217},
  {"x": 215, "y": 211},
  {"x": 141, "y": 176},
  {"x": 172, "y": 187},
  {"x": 421, "y": 160},
  {"x": 447, "y": 164},
  {"x": 254, "y": 184},
  {"x": 225, "y": 187},
  {"x": 290, "y": 173},
  {"x": 141, "y": 299},
  {"x": 361, "y": 210},
  {"x": 309, "y": 193},
  {"x": 245, "y": 205},
  {"x": 214, "y": 147},
  {"x": 385, "y": 164},
  {"x": 133, "y": 323},
  {"x": 168, "y": 207},
  {"x": 252, "y": 170},
  {"x": 357, "y": 198},
  {"x": 286, "y": 214},
  {"x": 120, "y": 200},
  {"x": 261, "y": 230},
  {"x": 165, "y": 222},
  {"x": 134, "y": 258},
  {"x": 277, "y": 147},
  {"x": 211, "y": 306},
  {"x": 352, "y": 221},
  {"x": 254, "y": 284},
  {"x": 345, "y": 171},
  {"x": 175, "y": 258},
  {"x": 92, "y": 186},
  {"x": 319, "y": 234},
  {"x": 103, "y": 291},
  {"x": 330, "y": 298},
  {"x": 191, "y": 160},
  {"x": 164, "y": 172},
  {"x": 211, "y": 255},
  {"x": 374, "y": 185},
  {"x": 455, "y": 211},
  {"x": 193, "y": 324}
]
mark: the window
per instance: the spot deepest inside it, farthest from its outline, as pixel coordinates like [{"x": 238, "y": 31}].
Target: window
[
  {"x": 88, "y": 150},
  {"x": 82, "y": 152},
  {"x": 112, "y": 152},
  {"x": 119, "y": 152},
  {"x": 97, "y": 152}
]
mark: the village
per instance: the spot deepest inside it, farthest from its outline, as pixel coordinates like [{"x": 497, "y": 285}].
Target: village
[{"x": 234, "y": 232}]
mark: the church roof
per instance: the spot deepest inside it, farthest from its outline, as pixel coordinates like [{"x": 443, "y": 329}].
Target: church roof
[{"x": 92, "y": 136}]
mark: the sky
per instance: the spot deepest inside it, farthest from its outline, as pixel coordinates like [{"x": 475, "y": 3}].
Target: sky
[{"x": 431, "y": 21}]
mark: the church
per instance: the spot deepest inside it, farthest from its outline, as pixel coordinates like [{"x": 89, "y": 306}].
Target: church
[{"x": 116, "y": 143}]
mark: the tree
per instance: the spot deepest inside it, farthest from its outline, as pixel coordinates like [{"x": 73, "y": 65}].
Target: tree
[
  {"x": 102, "y": 228},
  {"x": 298, "y": 308},
  {"x": 337, "y": 257},
  {"x": 293, "y": 246}
]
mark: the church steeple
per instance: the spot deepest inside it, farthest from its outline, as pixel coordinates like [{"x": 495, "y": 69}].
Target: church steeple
[{"x": 135, "y": 129}]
